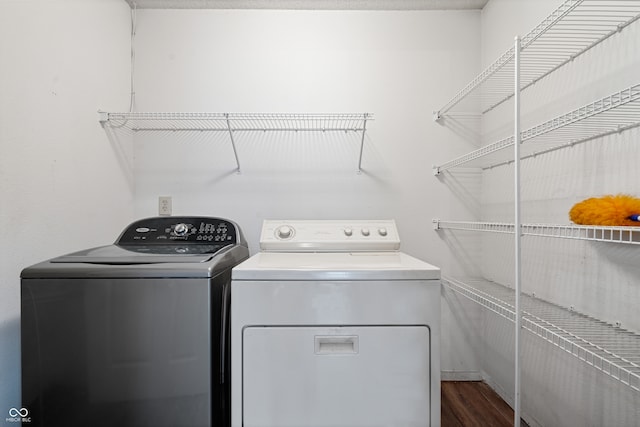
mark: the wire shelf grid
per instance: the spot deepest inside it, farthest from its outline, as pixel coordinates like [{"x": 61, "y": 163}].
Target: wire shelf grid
[
  {"x": 236, "y": 122},
  {"x": 610, "y": 234},
  {"x": 608, "y": 348},
  {"x": 611, "y": 114},
  {"x": 572, "y": 29}
]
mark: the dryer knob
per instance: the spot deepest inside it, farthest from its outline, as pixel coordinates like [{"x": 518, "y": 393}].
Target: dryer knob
[
  {"x": 365, "y": 231},
  {"x": 382, "y": 231},
  {"x": 348, "y": 231},
  {"x": 284, "y": 232}
]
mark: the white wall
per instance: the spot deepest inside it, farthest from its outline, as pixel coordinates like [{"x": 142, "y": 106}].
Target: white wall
[
  {"x": 598, "y": 279},
  {"x": 64, "y": 187},
  {"x": 398, "y": 65}
]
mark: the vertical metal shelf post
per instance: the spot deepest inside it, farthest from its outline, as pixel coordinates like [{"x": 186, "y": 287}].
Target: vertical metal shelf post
[{"x": 517, "y": 230}]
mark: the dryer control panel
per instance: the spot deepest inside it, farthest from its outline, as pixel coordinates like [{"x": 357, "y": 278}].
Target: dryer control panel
[
  {"x": 181, "y": 231},
  {"x": 329, "y": 236}
]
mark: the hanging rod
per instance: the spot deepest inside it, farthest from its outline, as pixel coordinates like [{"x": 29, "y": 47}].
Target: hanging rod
[{"x": 572, "y": 29}]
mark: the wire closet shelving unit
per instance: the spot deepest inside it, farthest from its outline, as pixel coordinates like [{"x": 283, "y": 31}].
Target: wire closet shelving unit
[
  {"x": 571, "y": 30},
  {"x": 235, "y": 123},
  {"x": 574, "y": 28}
]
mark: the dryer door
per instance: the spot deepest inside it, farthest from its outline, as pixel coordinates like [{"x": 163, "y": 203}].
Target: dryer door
[{"x": 336, "y": 376}]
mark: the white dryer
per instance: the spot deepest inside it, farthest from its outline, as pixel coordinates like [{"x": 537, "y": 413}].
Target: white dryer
[{"x": 333, "y": 326}]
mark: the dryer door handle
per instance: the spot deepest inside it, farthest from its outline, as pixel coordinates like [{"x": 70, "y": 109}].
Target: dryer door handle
[{"x": 336, "y": 344}]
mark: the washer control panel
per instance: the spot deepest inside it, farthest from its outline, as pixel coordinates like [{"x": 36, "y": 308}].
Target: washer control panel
[
  {"x": 179, "y": 230},
  {"x": 329, "y": 235}
]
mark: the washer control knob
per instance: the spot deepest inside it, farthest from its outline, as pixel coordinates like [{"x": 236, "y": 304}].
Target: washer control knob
[
  {"x": 284, "y": 232},
  {"x": 365, "y": 231},
  {"x": 348, "y": 231},
  {"x": 180, "y": 229},
  {"x": 382, "y": 231}
]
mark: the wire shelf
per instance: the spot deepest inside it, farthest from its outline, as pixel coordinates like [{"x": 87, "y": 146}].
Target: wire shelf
[
  {"x": 607, "y": 348},
  {"x": 569, "y": 31},
  {"x": 611, "y": 114},
  {"x": 624, "y": 235},
  {"x": 237, "y": 122},
  {"x": 233, "y": 123}
]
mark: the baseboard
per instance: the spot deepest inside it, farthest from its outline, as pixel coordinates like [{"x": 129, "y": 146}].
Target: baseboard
[
  {"x": 460, "y": 376},
  {"x": 508, "y": 397}
]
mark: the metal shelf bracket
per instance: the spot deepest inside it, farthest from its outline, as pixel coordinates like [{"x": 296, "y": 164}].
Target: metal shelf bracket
[
  {"x": 364, "y": 131},
  {"x": 233, "y": 143}
]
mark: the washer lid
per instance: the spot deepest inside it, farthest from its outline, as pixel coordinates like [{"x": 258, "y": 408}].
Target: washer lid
[
  {"x": 334, "y": 266},
  {"x": 117, "y": 255}
]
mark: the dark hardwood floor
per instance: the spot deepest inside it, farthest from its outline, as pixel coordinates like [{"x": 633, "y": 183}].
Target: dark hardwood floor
[{"x": 474, "y": 404}]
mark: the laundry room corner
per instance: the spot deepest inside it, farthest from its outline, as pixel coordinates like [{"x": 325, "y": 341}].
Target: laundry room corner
[{"x": 298, "y": 167}]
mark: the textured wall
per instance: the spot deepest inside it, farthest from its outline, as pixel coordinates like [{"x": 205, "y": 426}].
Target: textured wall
[{"x": 64, "y": 186}]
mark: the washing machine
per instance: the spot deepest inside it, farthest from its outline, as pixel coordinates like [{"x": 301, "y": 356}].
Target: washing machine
[
  {"x": 333, "y": 326},
  {"x": 134, "y": 333}
]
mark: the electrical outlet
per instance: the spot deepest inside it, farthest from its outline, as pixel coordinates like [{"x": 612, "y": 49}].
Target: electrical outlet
[{"x": 164, "y": 205}]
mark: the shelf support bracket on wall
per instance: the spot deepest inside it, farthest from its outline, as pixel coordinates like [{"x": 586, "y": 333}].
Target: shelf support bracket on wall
[
  {"x": 103, "y": 118},
  {"x": 233, "y": 142},
  {"x": 364, "y": 131}
]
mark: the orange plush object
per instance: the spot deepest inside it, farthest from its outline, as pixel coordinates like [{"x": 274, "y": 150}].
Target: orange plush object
[{"x": 620, "y": 209}]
